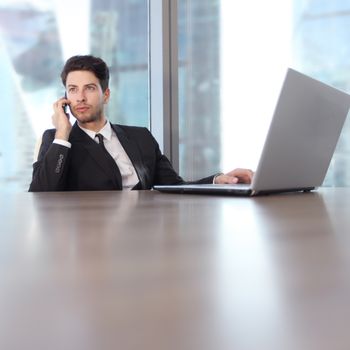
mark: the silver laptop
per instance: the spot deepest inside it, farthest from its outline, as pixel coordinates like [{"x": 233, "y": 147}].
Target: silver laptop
[{"x": 303, "y": 134}]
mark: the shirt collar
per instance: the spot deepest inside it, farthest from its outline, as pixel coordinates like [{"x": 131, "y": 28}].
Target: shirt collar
[{"x": 106, "y": 131}]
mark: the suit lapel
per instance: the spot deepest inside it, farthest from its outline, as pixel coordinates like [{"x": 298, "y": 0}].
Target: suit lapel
[
  {"x": 134, "y": 154},
  {"x": 80, "y": 138}
]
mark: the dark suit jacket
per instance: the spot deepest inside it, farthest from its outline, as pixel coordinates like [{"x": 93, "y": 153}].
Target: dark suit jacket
[{"x": 84, "y": 166}]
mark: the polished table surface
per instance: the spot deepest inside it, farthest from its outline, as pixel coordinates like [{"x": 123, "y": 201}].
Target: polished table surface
[{"x": 145, "y": 270}]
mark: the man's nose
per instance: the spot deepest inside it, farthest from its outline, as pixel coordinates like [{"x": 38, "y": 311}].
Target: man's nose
[{"x": 81, "y": 96}]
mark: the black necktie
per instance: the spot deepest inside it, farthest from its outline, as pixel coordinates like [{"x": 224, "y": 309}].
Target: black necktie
[{"x": 111, "y": 161}]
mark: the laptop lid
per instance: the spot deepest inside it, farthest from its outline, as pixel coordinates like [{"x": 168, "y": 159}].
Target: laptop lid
[
  {"x": 303, "y": 134},
  {"x": 301, "y": 140}
]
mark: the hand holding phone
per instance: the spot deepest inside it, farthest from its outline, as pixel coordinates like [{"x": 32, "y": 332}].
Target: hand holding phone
[
  {"x": 65, "y": 106},
  {"x": 61, "y": 120}
]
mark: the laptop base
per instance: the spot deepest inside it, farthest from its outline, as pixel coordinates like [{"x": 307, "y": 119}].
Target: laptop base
[{"x": 243, "y": 190}]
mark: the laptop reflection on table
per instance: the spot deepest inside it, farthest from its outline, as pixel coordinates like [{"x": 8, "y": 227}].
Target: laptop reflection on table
[{"x": 300, "y": 143}]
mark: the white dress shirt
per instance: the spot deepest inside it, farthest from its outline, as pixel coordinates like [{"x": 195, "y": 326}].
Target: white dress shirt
[{"x": 116, "y": 150}]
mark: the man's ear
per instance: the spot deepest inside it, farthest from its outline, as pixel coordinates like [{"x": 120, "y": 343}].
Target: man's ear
[{"x": 106, "y": 95}]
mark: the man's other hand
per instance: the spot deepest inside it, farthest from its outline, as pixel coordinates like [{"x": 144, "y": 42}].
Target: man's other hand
[{"x": 235, "y": 176}]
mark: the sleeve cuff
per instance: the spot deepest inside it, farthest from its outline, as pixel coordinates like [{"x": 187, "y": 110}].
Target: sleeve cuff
[
  {"x": 62, "y": 143},
  {"x": 215, "y": 176}
]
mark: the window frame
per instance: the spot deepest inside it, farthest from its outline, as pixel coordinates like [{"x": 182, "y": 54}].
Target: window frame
[{"x": 163, "y": 76}]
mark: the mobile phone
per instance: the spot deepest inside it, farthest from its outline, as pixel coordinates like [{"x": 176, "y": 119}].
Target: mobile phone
[{"x": 65, "y": 106}]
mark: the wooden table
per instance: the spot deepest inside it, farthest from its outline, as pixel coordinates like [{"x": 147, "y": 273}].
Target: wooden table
[{"x": 145, "y": 270}]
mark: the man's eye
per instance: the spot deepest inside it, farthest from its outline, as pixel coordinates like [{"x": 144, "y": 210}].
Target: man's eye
[
  {"x": 91, "y": 88},
  {"x": 72, "y": 90}
]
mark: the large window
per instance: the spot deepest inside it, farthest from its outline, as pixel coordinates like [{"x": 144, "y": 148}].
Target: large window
[
  {"x": 322, "y": 49},
  {"x": 231, "y": 63},
  {"x": 232, "y": 59},
  {"x": 36, "y": 37}
]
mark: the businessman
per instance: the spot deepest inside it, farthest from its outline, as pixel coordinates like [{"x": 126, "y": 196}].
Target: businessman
[{"x": 95, "y": 155}]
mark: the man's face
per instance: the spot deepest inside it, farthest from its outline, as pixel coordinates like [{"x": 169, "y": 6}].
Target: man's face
[{"x": 86, "y": 96}]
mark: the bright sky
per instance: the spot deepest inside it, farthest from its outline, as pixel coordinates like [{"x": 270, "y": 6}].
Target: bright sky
[
  {"x": 255, "y": 43},
  {"x": 73, "y": 18}
]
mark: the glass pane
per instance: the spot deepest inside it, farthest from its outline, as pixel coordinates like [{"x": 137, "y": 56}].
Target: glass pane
[
  {"x": 36, "y": 37},
  {"x": 231, "y": 62},
  {"x": 322, "y": 49},
  {"x": 199, "y": 87},
  {"x": 233, "y": 57}
]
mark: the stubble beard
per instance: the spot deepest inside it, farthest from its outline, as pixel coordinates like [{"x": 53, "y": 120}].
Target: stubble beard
[{"x": 94, "y": 117}]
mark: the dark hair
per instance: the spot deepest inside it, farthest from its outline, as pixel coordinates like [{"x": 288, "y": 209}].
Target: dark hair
[{"x": 89, "y": 63}]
